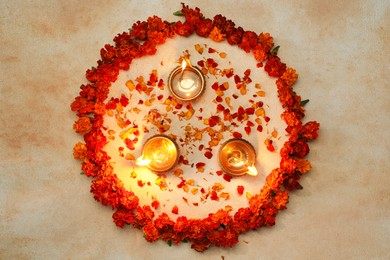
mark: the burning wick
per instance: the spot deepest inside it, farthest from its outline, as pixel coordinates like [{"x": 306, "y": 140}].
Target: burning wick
[
  {"x": 252, "y": 170},
  {"x": 183, "y": 67}
]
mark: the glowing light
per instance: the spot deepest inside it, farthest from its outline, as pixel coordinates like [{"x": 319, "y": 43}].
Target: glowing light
[
  {"x": 252, "y": 170},
  {"x": 183, "y": 65},
  {"x": 141, "y": 161}
]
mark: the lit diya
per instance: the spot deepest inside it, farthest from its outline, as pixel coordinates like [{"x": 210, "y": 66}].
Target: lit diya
[
  {"x": 160, "y": 154},
  {"x": 237, "y": 157},
  {"x": 186, "y": 82}
]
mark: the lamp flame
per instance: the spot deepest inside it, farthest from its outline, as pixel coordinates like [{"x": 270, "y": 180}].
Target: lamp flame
[
  {"x": 184, "y": 64},
  {"x": 252, "y": 170},
  {"x": 141, "y": 161}
]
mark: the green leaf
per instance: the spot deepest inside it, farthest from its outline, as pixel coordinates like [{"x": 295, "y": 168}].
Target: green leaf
[
  {"x": 304, "y": 102},
  {"x": 178, "y": 13},
  {"x": 82, "y": 173},
  {"x": 275, "y": 50},
  {"x": 169, "y": 242}
]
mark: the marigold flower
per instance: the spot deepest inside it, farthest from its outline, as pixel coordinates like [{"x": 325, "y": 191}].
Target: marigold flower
[
  {"x": 204, "y": 27},
  {"x": 80, "y": 151},
  {"x": 123, "y": 216},
  {"x": 303, "y": 166},
  {"x": 289, "y": 76},
  {"x": 275, "y": 179},
  {"x": 274, "y": 67},
  {"x": 216, "y": 35},
  {"x": 259, "y": 52},
  {"x": 280, "y": 199},
  {"x": 184, "y": 29},
  {"x": 301, "y": 149},
  {"x": 291, "y": 183},
  {"x": 82, "y": 125},
  {"x": 151, "y": 232},
  {"x": 248, "y": 41},
  {"x": 193, "y": 16},
  {"x": 235, "y": 36},
  {"x": 290, "y": 118},
  {"x": 139, "y": 30},
  {"x": 266, "y": 40},
  {"x": 310, "y": 130},
  {"x": 288, "y": 165}
]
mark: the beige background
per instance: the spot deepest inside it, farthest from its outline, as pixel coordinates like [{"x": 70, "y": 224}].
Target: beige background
[{"x": 339, "y": 48}]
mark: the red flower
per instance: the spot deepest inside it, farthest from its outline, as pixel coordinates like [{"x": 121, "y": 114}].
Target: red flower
[
  {"x": 274, "y": 67},
  {"x": 310, "y": 130},
  {"x": 82, "y": 125},
  {"x": 184, "y": 29},
  {"x": 301, "y": 149},
  {"x": 235, "y": 36},
  {"x": 288, "y": 164},
  {"x": 193, "y": 16},
  {"x": 123, "y": 216},
  {"x": 151, "y": 232},
  {"x": 204, "y": 27},
  {"x": 248, "y": 41}
]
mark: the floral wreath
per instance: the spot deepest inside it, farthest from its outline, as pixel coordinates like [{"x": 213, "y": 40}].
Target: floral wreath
[{"x": 219, "y": 228}]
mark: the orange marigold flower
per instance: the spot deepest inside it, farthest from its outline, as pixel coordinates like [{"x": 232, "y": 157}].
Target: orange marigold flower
[
  {"x": 289, "y": 76},
  {"x": 99, "y": 108},
  {"x": 80, "y": 151},
  {"x": 266, "y": 40},
  {"x": 204, "y": 27},
  {"x": 303, "y": 166},
  {"x": 290, "y": 118},
  {"x": 275, "y": 179},
  {"x": 260, "y": 53},
  {"x": 151, "y": 232},
  {"x": 216, "y": 35},
  {"x": 82, "y": 125},
  {"x": 280, "y": 199},
  {"x": 310, "y": 130},
  {"x": 289, "y": 165}
]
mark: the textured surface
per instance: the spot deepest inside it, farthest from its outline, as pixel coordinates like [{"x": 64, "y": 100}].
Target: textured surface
[{"x": 339, "y": 48}]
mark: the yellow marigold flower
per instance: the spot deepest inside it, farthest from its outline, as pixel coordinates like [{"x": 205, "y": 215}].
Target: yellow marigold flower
[
  {"x": 80, "y": 151},
  {"x": 216, "y": 35},
  {"x": 289, "y": 76}
]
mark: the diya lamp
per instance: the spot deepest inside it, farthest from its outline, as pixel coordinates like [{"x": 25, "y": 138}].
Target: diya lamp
[
  {"x": 186, "y": 82},
  {"x": 159, "y": 153},
  {"x": 237, "y": 157}
]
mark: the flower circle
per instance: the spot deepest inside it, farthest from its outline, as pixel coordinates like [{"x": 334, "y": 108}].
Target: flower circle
[{"x": 220, "y": 228}]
